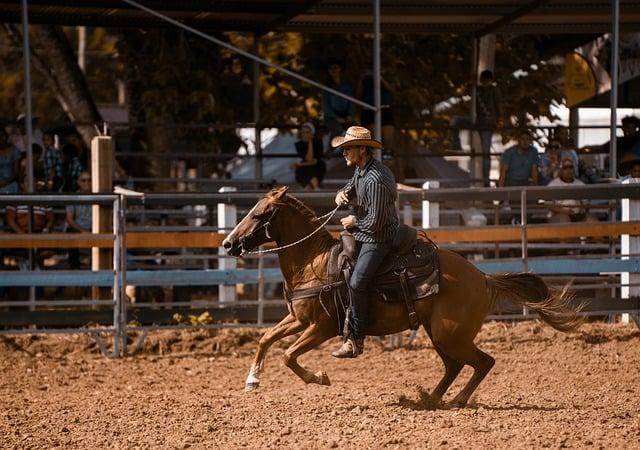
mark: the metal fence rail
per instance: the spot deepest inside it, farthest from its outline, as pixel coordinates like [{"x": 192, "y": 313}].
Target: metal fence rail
[{"x": 608, "y": 264}]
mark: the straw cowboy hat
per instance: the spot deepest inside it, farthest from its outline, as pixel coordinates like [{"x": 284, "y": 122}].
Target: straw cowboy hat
[{"x": 355, "y": 136}]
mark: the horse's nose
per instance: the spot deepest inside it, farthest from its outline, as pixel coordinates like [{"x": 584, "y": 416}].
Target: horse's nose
[{"x": 226, "y": 244}]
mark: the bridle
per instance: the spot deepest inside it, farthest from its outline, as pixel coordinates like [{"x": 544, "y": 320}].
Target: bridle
[
  {"x": 263, "y": 226},
  {"x": 266, "y": 226}
]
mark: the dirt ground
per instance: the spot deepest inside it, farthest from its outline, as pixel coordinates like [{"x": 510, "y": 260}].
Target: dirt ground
[{"x": 185, "y": 390}]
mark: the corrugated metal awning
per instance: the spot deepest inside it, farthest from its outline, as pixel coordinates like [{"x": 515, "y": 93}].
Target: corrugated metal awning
[{"x": 338, "y": 16}]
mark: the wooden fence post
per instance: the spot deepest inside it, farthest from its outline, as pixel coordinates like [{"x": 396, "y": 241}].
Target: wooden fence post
[
  {"x": 227, "y": 220},
  {"x": 102, "y": 220},
  {"x": 629, "y": 245}
]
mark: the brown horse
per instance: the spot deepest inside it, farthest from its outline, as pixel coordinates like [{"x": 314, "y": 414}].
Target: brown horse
[{"x": 452, "y": 317}]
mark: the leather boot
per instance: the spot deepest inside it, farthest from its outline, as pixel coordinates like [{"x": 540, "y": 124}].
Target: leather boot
[{"x": 351, "y": 348}]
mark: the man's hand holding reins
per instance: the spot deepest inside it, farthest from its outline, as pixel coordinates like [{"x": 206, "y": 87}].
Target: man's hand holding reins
[
  {"x": 348, "y": 222},
  {"x": 341, "y": 198}
]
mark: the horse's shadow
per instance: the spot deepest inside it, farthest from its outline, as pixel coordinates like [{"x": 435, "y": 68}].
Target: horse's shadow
[{"x": 426, "y": 402}]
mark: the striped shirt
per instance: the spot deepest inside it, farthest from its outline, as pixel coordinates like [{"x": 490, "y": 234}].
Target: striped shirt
[{"x": 374, "y": 190}]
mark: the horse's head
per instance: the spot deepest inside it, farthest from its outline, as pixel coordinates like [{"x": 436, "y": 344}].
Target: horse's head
[{"x": 254, "y": 229}]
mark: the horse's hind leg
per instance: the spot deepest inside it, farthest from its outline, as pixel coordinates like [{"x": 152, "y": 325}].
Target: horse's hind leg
[
  {"x": 452, "y": 369},
  {"x": 286, "y": 327},
  {"x": 311, "y": 338},
  {"x": 468, "y": 353}
]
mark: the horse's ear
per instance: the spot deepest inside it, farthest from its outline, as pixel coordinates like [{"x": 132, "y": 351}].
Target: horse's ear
[{"x": 278, "y": 193}]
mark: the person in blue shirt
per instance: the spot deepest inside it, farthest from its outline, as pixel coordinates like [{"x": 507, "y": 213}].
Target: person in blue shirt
[
  {"x": 337, "y": 111},
  {"x": 519, "y": 165}
]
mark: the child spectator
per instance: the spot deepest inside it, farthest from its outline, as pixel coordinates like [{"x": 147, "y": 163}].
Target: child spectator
[
  {"x": 310, "y": 171},
  {"x": 52, "y": 163},
  {"x": 9, "y": 164}
]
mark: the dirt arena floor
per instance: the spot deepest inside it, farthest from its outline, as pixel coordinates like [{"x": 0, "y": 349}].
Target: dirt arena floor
[{"x": 185, "y": 390}]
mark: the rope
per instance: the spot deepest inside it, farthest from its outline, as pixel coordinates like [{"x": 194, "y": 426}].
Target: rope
[{"x": 330, "y": 214}]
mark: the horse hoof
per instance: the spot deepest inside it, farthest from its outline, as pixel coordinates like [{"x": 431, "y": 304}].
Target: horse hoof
[
  {"x": 251, "y": 387},
  {"x": 457, "y": 404},
  {"x": 323, "y": 379}
]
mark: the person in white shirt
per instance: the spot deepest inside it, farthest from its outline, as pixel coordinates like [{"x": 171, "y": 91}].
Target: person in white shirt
[{"x": 568, "y": 210}]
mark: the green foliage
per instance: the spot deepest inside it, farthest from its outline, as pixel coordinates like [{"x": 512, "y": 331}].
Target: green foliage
[
  {"x": 202, "y": 319},
  {"x": 175, "y": 77}
]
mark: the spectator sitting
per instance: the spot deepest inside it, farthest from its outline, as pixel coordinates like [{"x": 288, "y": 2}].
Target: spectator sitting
[
  {"x": 310, "y": 171},
  {"x": 41, "y": 218},
  {"x": 18, "y": 216},
  {"x": 519, "y": 163},
  {"x": 489, "y": 116},
  {"x": 79, "y": 218},
  {"x": 567, "y": 210},
  {"x": 71, "y": 167},
  {"x": 550, "y": 160},
  {"x": 52, "y": 163},
  {"x": 337, "y": 111},
  {"x": 9, "y": 164}
]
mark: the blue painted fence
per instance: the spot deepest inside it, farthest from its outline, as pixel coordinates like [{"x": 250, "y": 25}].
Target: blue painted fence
[{"x": 105, "y": 278}]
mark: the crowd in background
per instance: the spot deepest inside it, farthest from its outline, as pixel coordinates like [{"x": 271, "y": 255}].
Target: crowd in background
[{"x": 56, "y": 168}]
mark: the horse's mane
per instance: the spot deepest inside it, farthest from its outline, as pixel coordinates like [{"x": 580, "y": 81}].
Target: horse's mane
[{"x": 308, "y": 214}]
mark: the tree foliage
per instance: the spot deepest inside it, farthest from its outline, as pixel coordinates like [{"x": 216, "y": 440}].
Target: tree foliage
[{"x": 177, "y": 78}]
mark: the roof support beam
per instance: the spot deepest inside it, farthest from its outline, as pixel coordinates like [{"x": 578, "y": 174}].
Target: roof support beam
[
  {"x": 509, "y": 18},
  {"x": 304, "y": 7}
]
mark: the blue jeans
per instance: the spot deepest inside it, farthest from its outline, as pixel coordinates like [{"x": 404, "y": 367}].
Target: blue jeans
[
  {"x": 486, "y": 134},
  {"x": 369, "y": 260}
]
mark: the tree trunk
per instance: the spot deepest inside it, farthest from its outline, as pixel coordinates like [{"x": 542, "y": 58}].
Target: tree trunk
[{"x": 56, "y": 59}]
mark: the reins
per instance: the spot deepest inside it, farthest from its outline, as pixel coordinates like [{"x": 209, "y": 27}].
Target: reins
[{"x": 330, "y": 216}]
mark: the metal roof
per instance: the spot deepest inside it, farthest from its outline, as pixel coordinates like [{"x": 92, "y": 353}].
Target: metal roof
[{"x": 339, "y": 16}]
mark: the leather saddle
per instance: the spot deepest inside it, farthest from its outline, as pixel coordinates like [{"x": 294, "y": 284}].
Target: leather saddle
[{"x": 410, "y": 273}]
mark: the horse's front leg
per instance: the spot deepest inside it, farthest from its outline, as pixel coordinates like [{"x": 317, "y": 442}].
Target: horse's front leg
[
  {"x": 313, "y": 336},
  {"x": 286, "y": 327}
]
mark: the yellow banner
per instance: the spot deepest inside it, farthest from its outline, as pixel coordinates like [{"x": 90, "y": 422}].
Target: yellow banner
[{"x": 579, "y": 81}]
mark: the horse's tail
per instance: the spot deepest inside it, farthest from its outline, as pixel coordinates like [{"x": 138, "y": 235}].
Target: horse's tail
[{"x": 527, "y": 289}]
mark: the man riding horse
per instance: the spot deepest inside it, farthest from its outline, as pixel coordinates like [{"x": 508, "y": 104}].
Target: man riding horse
[{"x": 374, "y": 225}]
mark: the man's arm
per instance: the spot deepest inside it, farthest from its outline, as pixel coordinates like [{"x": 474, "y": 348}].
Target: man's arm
[
  {"x": 350, "y": 188},
  {"x": 503, "y": 174},
  {"x": 70, "y": 218},
  {"x": 535, "y": 174}
]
